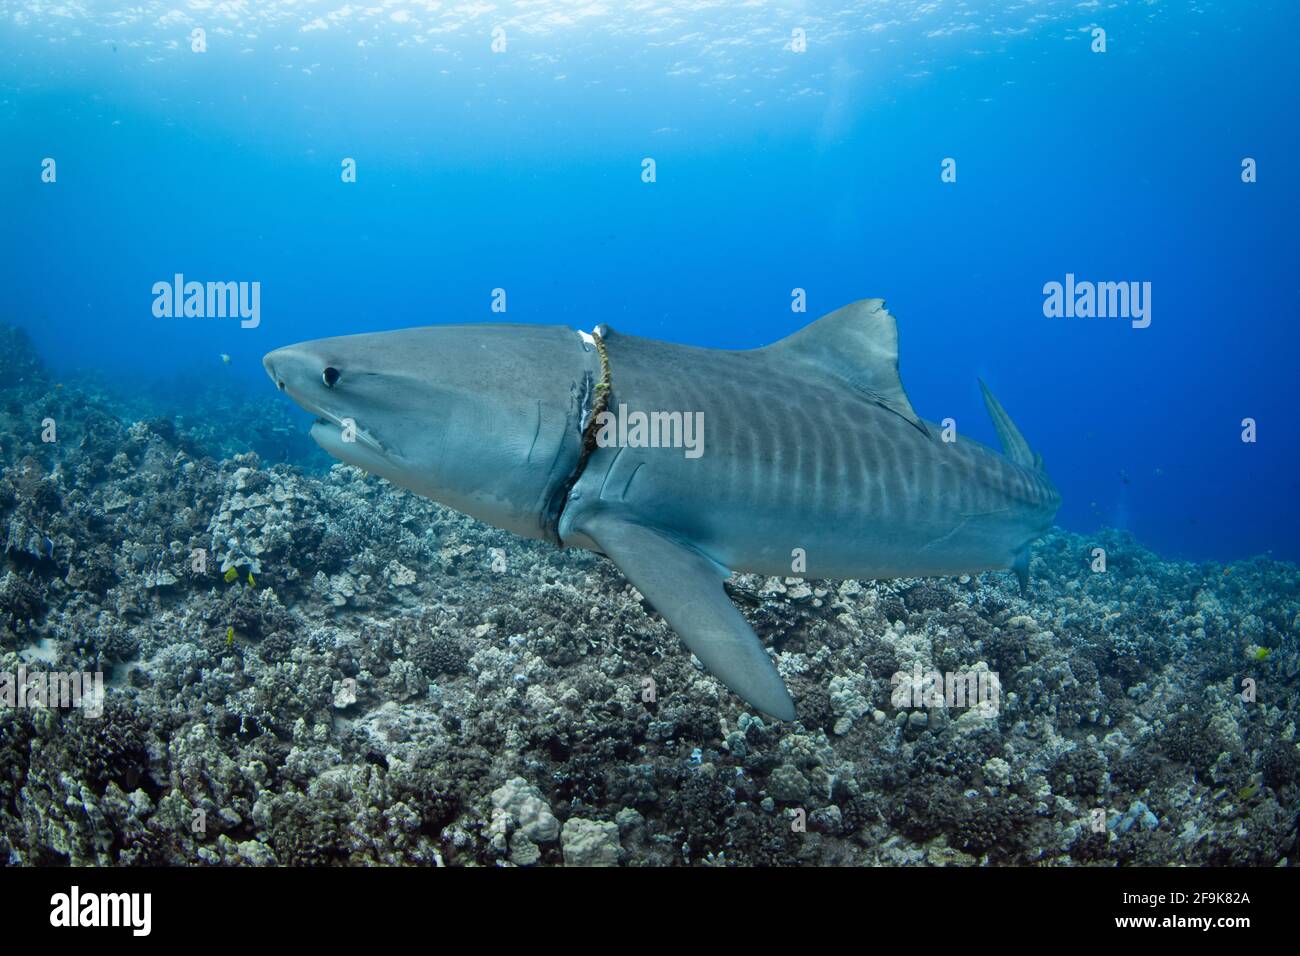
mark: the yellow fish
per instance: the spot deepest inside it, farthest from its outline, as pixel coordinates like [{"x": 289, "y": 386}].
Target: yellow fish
[
  {"x": 251, "y": 582},
  {"x": 231, "y": 574},
  {"x": 230, "y": 637}
]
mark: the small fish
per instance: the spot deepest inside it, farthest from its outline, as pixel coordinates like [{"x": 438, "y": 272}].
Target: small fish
[
  {"x": 230, "y": 637},
  {"x": 1261, "y": 654},
  {"x": 251, "y": 582},
  {"x": 225, "y": 359},
  {"x": 231, "y": 575}
]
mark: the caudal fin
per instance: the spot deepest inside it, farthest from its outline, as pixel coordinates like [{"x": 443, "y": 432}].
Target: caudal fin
[{"x": 1014, "y": 445}]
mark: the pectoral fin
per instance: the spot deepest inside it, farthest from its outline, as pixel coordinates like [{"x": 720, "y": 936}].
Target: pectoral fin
[{"x": 685, "y": 587}]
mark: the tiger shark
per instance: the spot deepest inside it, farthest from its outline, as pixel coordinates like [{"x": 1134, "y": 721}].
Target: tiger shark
[{"x": 809, "y": 460}]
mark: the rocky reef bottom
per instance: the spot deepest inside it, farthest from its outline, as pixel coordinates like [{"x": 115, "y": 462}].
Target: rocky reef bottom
[{"x": 317, "y": 668}]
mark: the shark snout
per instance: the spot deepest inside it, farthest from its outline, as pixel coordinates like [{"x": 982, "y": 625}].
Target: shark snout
[
  {"x": 273, "y": 362},
  {"x": 309, "y": 376},
  {"x": 301, "y": 371}
]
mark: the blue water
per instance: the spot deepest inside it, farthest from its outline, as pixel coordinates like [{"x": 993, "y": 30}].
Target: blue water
[{"x": 775, "y": 170}]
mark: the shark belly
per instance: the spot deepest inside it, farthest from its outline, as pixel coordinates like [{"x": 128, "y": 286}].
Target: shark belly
[{"x": 783, "y": 529}]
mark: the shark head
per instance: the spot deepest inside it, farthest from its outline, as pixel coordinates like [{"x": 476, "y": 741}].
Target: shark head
[{"x": 484, "y": 419}]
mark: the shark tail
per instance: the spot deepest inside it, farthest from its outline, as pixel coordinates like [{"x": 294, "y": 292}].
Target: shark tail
[
  {"x": 1014, "y": 445},
  {"x": 1017, "y": 449}
]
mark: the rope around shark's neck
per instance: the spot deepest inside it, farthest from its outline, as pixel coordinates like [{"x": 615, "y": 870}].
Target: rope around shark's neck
[{"x": 600, "y": 401}]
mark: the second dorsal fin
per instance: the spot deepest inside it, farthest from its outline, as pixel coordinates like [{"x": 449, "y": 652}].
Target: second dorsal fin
[
  {"x": 1014, "y": 445},
  {"x": 857, "y": 344}
]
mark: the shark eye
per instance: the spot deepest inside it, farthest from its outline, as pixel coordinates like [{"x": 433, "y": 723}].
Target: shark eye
[{"x": 330, "y": 376}]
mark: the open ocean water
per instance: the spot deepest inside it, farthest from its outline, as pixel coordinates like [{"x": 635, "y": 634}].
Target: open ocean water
[{"x": 327, "y": 669}]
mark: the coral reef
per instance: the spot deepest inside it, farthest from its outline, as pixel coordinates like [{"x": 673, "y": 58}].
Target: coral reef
[{"x": 312, "y": 667}]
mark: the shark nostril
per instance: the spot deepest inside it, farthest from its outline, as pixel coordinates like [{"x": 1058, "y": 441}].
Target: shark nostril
[{"x": 280, "y": 386}]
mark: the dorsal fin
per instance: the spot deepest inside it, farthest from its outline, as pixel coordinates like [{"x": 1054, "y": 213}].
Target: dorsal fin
[
  {"x": 1014, "y": 445},
  {"x": 858, "y": 345}
]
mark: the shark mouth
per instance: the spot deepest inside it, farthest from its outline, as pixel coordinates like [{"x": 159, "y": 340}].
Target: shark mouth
[{"x": 330, "y": 432}]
